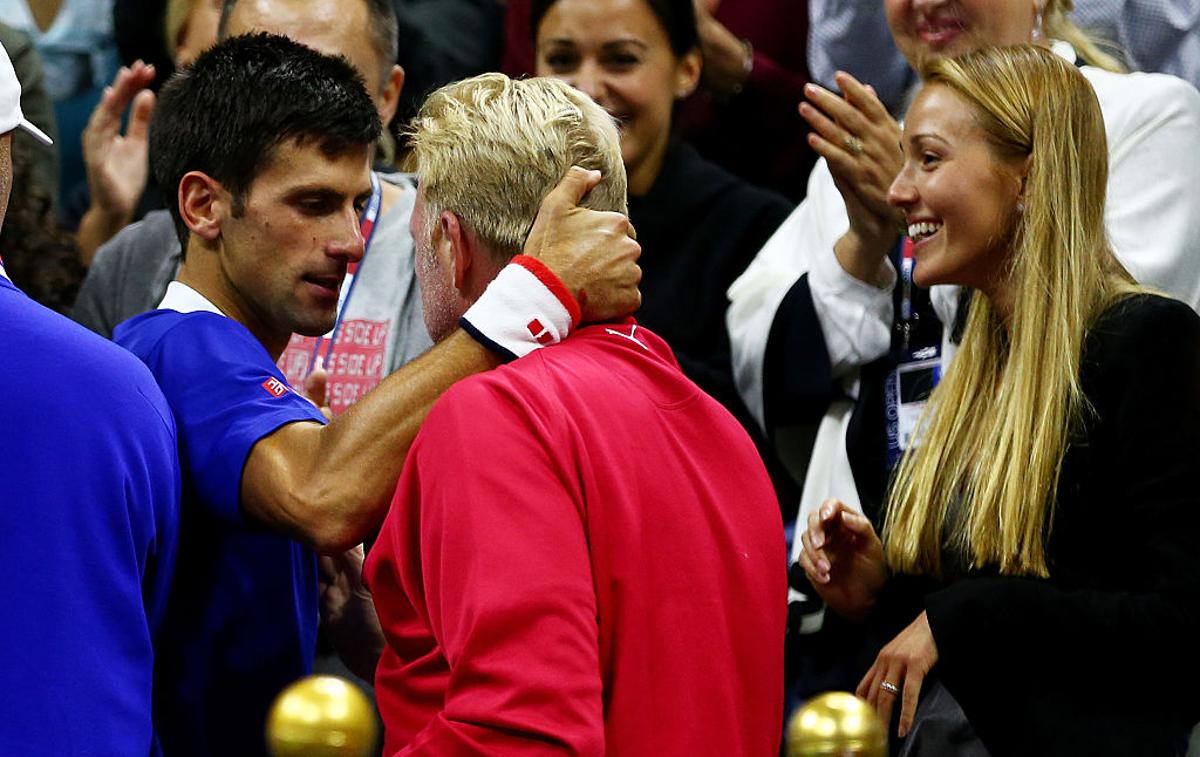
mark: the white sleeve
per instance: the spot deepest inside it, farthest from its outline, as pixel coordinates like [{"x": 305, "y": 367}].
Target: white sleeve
[
  {"x": 855, "y": 317},
  {"x": 1152, "y": 212}
]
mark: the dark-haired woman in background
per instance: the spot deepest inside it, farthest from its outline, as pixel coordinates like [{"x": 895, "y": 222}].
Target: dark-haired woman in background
[{"x": 698, "y": 225}]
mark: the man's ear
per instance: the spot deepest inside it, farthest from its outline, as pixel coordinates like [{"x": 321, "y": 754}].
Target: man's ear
[
  {"x": 461, "y": 244},
  {"x": 390, "y": 99},
  {"x": 203, "y": 203}
]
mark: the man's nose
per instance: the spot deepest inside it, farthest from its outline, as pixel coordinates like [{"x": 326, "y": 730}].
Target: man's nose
[{"x": 348, "y": 243}]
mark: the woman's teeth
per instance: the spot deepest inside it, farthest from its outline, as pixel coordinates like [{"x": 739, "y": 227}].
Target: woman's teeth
[{"x": 923, "y": 230}]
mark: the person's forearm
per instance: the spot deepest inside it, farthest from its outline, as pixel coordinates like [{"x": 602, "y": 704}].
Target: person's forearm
[
  {"x": 331, "y": 485},
  {"x": 863, "y": 259},
  {"x": 375, "y": 433}
]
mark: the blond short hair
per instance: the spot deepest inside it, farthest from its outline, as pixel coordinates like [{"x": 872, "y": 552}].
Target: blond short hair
[{"x": 490, "y": 149}]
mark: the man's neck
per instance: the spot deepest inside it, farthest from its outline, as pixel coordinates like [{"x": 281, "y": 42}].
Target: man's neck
[{"x": 210, "y": 283}]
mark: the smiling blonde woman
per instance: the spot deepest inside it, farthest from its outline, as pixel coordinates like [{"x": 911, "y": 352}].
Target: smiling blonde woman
[
  {"x": 1072, "y": 409},
  {"x": 827, "y": 328}
]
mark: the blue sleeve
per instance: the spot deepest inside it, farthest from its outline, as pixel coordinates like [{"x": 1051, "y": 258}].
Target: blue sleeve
[{"x": 226, "y": 394}]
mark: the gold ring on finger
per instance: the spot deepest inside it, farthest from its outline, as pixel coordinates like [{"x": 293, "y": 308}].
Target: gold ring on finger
[{"x": 852, "y": 144}]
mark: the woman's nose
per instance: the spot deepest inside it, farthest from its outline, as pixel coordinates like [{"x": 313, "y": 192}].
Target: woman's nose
[
  {"x": 902, "y": 192},
  {"x": 589, "y": 79}
]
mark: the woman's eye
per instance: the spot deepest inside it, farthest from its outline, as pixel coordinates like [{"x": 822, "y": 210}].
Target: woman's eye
[
  {"x": 929, "y": 159},
  {"x": 560, "y": 62},
  {"x": 623, "y": 60}
]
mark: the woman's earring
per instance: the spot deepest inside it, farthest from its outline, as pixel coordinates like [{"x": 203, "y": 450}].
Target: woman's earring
[
  {"x": 1020, "y": 207},
  {"x": 1037, "y": 27}
]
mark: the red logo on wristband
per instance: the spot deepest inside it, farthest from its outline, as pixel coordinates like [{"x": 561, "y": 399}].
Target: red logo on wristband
[
  {"x": 539, "y": 332},
  {"x": 275, "y": 387}
]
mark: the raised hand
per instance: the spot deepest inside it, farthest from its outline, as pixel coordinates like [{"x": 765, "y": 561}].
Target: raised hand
[
  {"x": 861, "y": 143},
  {"x": 593, "y": 252},
  {"x": 843, "y": 559},
  {"x": 117, "y": 165}
]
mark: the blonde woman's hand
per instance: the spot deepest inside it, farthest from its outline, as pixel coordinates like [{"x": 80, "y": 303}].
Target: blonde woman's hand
[
  {"x": 861, "y": 143},
  {"x": 843, "y": 559},
  {"x": 902, "y": 665}
]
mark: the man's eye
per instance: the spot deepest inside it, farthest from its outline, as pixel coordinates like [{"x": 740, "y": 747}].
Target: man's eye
[{"x": 314, "y": 207}]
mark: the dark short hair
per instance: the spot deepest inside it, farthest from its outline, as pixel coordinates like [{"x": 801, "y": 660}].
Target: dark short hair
[
  {"x": 226, "y": 113},
  {"x": 677, "y": 17},
  {"x": 382, "y": 27}
]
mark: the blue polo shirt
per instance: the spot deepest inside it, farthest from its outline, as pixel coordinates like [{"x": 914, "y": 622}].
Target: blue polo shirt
[
  {"x": 89, "y": 518},
  {"x": 242, "y": 620}
]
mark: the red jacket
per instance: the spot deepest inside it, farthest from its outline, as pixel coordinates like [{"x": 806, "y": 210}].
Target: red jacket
[{"x": 584, "y": 556}]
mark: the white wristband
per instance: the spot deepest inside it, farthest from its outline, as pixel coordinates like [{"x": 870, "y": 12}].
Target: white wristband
[{"x": 524, "y": 308}]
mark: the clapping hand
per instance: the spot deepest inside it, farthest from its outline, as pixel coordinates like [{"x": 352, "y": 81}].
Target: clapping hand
[
  {"x": 117, "y": 164},
  {"x": 860, "y": 141}
]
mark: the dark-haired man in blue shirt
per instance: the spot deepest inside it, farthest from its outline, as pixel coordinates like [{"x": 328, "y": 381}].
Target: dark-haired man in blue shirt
[{"x": 265, "y": 145}]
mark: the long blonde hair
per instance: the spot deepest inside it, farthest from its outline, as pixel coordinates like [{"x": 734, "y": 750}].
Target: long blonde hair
[{"x": 998, "y": 424}]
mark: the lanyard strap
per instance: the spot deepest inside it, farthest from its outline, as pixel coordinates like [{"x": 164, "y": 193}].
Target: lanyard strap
[
  {"x": 907, "y": 309},
  {"x": 367, "y": 226},
  {"x": 907, "y": 263}
]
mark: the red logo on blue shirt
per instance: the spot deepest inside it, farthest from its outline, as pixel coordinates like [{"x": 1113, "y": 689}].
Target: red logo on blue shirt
[{"x": 275, "y": 387}]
